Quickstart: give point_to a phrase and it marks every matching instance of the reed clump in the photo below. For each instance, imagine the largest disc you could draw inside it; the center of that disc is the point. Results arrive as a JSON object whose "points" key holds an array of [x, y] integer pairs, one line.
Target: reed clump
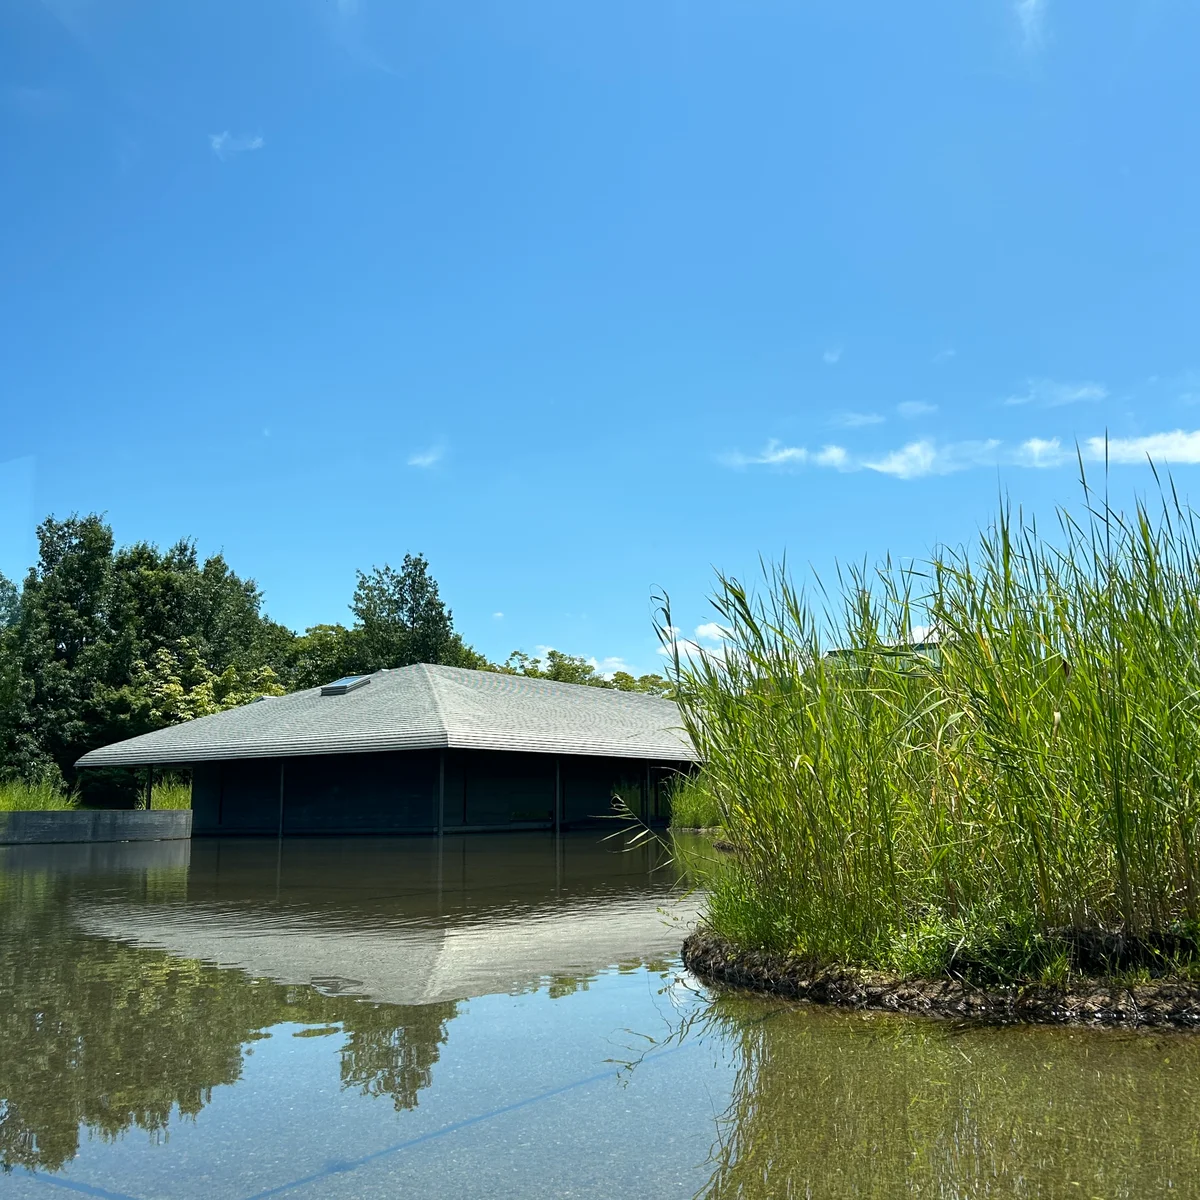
{"points": [[1011, 793], [693, 805]]}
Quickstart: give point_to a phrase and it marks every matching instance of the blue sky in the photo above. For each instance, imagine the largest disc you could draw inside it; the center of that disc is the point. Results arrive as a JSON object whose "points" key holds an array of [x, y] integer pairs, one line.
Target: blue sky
{"points": [[585, 300]]}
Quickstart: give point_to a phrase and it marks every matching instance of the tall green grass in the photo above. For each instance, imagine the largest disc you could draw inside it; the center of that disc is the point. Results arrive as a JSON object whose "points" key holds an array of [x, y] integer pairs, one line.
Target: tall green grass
{"points": [[169, 792], [693, 805], [26, 797], [172, 792], [983, 804]]}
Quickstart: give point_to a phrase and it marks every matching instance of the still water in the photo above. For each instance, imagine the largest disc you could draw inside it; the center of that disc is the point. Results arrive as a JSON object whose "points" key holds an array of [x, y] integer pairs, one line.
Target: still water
{"points": [[503, 1015]]}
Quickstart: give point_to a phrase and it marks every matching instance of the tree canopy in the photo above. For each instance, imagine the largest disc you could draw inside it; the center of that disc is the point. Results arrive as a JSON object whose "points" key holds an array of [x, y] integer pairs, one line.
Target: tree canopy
{"points": [[102, 642]]}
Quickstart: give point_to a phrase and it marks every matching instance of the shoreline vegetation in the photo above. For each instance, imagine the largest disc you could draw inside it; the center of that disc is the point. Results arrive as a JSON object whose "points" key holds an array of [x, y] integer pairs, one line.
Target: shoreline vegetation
{"points": [[986, 799], [44, 796]]}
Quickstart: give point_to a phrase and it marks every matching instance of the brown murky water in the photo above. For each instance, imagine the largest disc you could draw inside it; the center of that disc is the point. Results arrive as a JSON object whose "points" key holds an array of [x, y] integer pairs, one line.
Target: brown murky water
{"points": [[503, 1015]]}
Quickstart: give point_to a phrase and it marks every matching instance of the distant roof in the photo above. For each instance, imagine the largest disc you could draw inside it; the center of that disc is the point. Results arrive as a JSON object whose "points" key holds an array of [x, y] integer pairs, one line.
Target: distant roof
{"points": [[422, 707]]}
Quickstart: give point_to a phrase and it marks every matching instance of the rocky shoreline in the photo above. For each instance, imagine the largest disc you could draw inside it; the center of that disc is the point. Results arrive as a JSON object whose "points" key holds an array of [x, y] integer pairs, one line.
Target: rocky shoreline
{"points": [[1165, 1004]]}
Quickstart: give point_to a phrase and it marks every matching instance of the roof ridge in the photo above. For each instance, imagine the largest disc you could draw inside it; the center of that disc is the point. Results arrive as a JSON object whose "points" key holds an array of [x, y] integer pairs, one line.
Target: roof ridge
{"points": [[435, 700]]}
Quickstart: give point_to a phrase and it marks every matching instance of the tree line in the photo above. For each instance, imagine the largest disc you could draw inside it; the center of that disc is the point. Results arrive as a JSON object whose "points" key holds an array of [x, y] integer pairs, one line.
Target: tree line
{"points": [[101, 642]]}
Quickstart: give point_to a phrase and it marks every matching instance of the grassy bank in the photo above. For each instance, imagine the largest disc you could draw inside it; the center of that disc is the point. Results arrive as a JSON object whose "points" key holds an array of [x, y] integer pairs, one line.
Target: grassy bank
{"points": [[22, 797], [1018, 800]]}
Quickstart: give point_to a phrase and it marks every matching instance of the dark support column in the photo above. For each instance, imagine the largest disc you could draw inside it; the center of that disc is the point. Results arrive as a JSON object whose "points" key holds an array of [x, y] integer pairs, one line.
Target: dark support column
{"points": [[281, 798], [441, 822], [557, 794], [646, 813], [149, 787]]}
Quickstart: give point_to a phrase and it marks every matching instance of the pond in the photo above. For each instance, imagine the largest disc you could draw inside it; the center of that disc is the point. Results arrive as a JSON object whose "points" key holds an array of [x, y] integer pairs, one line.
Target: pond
{"points": [[504, 1015]]}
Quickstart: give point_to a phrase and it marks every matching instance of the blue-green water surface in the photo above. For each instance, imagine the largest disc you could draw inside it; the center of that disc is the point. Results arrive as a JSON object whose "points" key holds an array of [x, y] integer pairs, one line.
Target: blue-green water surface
{"points": [[504, 1015]]}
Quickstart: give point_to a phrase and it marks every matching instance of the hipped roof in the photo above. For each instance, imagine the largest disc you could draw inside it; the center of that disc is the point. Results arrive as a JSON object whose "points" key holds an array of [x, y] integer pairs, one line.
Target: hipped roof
{"points": [[422, 707]]}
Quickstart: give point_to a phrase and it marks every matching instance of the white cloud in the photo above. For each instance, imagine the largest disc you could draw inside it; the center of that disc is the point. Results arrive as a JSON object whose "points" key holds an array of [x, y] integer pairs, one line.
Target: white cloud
{"points": [[832, 356], [1050, 394], [226, 145], [773, 454], [1031, 16], [911, 409], [832, 456], [926, 457], [608, 667], [497, 616], [427, 458], [1041, 452], [910, 462], [1178, 446], [857, 420], [685, 647], [710, 631], [776, 454]]}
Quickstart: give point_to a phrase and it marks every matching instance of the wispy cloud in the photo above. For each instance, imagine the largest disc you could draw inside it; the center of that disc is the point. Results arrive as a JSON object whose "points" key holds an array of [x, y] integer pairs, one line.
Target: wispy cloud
{"points": [[1031, 17], [773, 454], [927, 457], [497, 616], [911, 409], [226, 145], [856, 420], [1042, 452], [832, 456], [1179, 446], [776, 454], [711, 637], [427, 458], [1048, 393], [832, 356]]}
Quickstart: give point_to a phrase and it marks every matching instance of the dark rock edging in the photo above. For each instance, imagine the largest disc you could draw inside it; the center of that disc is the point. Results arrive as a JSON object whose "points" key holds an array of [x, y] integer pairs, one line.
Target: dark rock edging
{"points": [[1167, 1004]]}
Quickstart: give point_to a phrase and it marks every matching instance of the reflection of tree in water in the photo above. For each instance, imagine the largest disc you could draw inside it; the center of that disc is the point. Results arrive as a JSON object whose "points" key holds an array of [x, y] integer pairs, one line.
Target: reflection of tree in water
{"points": [[835, 1104], [106, 1036], [390, 1049]]}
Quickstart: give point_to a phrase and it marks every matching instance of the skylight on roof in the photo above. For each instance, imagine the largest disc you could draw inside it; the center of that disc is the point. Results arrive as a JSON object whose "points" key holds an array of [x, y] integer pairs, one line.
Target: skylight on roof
{"points": [[347, 683]]}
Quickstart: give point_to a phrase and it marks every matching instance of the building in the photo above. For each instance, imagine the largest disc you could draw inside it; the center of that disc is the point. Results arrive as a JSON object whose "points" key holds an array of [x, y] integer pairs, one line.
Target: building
{"points": [[420, 749]]}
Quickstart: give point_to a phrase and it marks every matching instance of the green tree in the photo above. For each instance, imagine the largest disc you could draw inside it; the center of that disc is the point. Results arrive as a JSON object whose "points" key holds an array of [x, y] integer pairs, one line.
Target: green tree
{"points": [[324, 653], [402, 620], [650, 685], [112, 643], [560, 667], [10, 603]]}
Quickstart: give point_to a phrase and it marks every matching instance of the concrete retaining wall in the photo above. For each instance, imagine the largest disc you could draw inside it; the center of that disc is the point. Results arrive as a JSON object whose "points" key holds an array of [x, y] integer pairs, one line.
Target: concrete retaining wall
{"points": [[94, 825]]}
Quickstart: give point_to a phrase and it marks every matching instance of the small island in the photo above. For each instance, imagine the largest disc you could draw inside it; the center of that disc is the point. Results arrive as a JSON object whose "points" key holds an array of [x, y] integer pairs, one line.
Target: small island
{"points": [[984, 801]]}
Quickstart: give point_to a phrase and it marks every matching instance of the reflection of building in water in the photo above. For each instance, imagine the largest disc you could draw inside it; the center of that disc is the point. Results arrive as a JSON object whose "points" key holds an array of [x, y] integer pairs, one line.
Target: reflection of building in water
{"points": [[103, 1035], [414, 921], [421, 748], [133, 977]]}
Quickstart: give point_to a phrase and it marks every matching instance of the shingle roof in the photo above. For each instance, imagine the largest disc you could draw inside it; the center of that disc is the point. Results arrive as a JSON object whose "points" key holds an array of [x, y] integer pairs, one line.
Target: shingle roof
{"points": [[422, 707]]}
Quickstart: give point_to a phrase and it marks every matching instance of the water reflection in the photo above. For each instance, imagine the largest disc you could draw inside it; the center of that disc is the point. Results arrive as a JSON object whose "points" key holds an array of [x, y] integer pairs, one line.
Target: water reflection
{"points": [[134, 980], [369, 1019], [836, 1104], [105, 1036]]}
